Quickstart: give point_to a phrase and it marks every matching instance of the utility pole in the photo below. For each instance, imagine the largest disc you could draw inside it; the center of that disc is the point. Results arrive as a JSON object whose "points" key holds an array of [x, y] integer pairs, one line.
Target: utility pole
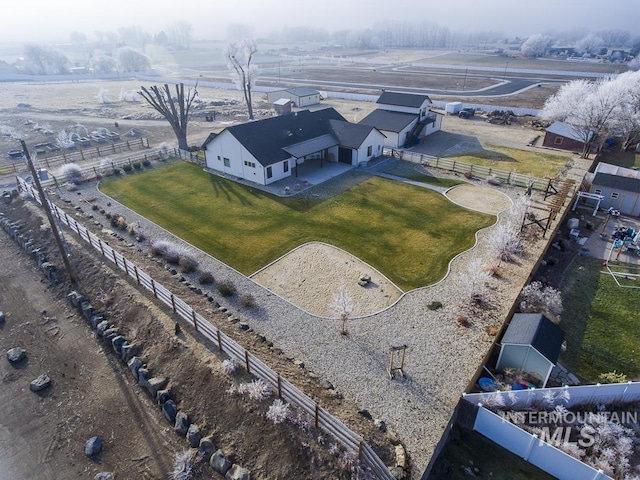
{"points": [[45, 205]]}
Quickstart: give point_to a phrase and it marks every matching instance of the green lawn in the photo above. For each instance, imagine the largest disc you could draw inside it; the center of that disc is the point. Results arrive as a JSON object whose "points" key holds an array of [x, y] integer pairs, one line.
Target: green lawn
{"points": [[601, 322], [537, 164], [408, 233]]}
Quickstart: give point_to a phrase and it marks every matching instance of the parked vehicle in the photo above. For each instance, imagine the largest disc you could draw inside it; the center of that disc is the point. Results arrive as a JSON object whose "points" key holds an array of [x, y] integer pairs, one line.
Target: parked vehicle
{"points": [[467, 112]]}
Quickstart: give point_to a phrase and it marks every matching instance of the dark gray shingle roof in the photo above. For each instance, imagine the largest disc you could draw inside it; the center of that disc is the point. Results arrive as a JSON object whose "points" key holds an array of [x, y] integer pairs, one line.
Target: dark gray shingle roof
{"points": [[536, 330], [350, 135], [266, 139], [565, 130], [617, 181], [389, 121], [402, 99]]}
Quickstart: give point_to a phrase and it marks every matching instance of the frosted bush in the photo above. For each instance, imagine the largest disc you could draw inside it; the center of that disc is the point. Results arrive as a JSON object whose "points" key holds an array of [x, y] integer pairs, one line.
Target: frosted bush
{"points": [[71, 173], [229, 365], [256, 390], [167, 250], [182, 466], [535, 298], [278, 411]]}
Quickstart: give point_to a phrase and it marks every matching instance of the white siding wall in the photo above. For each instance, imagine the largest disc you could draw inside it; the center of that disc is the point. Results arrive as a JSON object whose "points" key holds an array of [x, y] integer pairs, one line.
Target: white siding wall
{"points": [[433, 127], [391, 139], [375, 140], [277, 171], [226, 146], [307, 100], [397, 108]]}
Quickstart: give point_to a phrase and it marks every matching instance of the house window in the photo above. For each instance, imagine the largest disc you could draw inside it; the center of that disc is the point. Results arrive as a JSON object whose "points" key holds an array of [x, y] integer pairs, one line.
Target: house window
{"points": [[558, 140], [597, 191], [249, 164], [285, 165], [227, 163], [614, 194], [369, 150], [219, 158], [269, 172]]}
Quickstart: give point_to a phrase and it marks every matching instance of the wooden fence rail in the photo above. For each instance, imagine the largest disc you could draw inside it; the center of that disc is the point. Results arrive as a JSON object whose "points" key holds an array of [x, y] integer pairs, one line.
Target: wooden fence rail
{"points": [[479, 171], [285, 390]]}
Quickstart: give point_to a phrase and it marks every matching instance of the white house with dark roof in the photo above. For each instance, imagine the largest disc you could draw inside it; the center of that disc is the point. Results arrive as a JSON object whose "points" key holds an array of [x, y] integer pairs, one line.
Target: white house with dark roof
{"points": [[403, 118], [300, 96], [269, 150]]}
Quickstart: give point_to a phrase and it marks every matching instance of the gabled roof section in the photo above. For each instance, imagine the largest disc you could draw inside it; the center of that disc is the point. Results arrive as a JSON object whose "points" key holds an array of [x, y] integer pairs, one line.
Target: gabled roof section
{"points": [[211, 136], [565, 130], [313, 145], [536, 330], [350, 135], [608, 180], [282, 101], [389, 121], [266, 139], [402, 99]]}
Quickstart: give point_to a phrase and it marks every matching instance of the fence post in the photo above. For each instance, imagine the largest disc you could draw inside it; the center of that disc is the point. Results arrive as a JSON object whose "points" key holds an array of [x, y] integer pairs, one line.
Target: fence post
{"points": [[81, 154], [509, 178], [126, 270], [360, 450], [135, 270], [115, 260], [279, 387], [316, 417], [173, 303], [454, 167], [153, 287], [113, 147], [47, 162], [246, 361], [471, 171], [195, 321], [219, 340]]}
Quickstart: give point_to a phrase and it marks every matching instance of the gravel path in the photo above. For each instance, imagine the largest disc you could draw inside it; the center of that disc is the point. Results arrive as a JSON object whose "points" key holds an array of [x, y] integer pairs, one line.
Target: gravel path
{"points": [[442, 355]]}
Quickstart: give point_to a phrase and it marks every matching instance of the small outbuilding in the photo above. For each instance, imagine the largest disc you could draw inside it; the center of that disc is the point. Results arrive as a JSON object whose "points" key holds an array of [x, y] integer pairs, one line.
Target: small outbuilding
{"points": [[531, 343], [300, 96], [562, 135], [282, 106]]}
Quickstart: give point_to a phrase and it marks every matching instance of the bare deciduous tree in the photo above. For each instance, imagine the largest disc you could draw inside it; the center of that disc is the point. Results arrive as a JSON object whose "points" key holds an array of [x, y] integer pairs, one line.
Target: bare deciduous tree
{"points": [[342, 305], [175, 109], [244, 73]]}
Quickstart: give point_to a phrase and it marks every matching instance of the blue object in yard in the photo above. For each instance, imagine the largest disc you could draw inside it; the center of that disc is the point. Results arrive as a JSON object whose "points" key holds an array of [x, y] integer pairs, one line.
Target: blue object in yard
{"points": [[488, 384], [517, 386]]}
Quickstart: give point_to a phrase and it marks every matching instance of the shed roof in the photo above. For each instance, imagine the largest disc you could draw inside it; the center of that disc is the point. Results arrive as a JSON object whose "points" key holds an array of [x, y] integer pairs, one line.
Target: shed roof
{"points": [[565, 130], [403, 99], [303, 91], [312, 145], [536, 330], [282, 101], [350, 135], [389, 121], [619, 182]]}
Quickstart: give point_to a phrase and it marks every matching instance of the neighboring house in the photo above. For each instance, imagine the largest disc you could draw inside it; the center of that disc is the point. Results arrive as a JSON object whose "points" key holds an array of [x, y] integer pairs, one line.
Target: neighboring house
{"points": [[403, 118], [300, 96], [269, 150], [531, 343], [619, 186], [563, 136]]}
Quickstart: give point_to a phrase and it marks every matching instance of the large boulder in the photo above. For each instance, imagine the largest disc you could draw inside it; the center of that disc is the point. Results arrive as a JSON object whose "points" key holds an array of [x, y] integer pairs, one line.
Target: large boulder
{"points": [[206, 448], [193, 435], [169, 410], [16, 354], [40, 383], [135, 364], [236, 472], [2, 318], [155, 384], [93, 446], [117, 344], [220, 463], [143, 377], [182, 424]]}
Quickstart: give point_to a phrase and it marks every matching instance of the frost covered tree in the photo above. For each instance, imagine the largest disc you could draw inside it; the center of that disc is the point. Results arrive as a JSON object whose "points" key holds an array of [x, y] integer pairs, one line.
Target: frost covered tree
{"points": [[536, 45], [103, 95], [176, 109], [130, 60], [634, 64], [471, 282], [44, 60], [537, 298], [180, 35], [590, 44], [342, 305], [625, 123], [239, 57]]}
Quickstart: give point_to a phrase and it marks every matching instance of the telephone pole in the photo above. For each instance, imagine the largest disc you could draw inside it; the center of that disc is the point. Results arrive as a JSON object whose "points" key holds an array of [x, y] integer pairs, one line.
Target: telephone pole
{"points": [[45, 205]]}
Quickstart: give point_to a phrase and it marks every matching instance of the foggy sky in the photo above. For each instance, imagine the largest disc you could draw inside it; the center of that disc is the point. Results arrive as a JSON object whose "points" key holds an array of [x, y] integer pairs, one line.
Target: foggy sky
{"points": [[54, 20]]}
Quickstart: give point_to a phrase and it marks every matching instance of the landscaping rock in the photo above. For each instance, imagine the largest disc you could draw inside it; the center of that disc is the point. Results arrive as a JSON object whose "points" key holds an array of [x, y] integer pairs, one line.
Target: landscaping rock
{"points": [[401, 456], [169, 410], [143, 377], [206, 448], [181, 424], [40, 383], [243, 326], [135, 364], [155, 384], [104, 476], [102, 327], [96, 318], [16, 354], [365, 414], [382, 426], [111, 333], [93, 446], [219, 462], [162, 396], [193, 435], [2, 317], [238, 473], [128, 351], [117, 344]]}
